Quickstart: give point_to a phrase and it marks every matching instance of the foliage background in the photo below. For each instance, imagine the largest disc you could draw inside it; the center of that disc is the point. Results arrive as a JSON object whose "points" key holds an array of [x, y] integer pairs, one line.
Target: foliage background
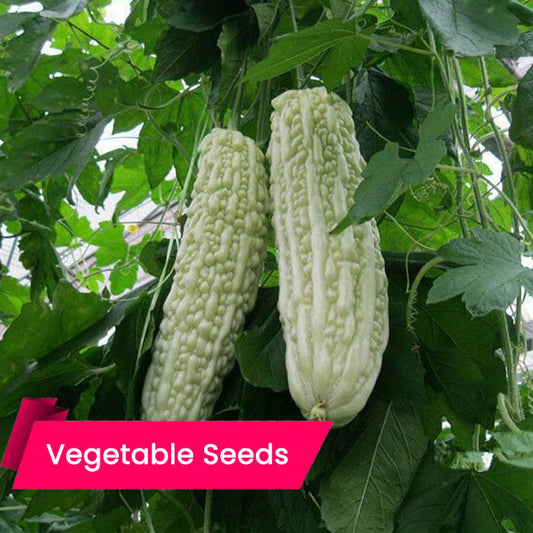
{"points": [[436, 91]]}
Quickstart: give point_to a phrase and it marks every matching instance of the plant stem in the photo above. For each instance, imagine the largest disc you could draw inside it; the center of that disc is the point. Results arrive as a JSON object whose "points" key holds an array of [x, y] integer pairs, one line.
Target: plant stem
{"points": [[513, 391], [463, 138], [207, 510], [507, 170], [506, 417], [299, 69]]}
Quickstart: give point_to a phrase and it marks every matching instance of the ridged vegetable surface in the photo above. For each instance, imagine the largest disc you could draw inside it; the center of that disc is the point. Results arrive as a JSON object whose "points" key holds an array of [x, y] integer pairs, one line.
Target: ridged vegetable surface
{"points": [[218, 267], [333, 288]]}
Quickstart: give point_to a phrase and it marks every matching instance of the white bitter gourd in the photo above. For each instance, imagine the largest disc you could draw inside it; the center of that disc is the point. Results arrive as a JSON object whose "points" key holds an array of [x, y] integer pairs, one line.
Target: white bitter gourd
{"points": [[218, 267], [333, 288]]}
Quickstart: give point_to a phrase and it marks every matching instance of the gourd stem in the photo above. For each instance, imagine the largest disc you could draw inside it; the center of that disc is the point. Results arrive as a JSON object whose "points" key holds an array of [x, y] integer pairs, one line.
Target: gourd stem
{"points": [[207, 510]]}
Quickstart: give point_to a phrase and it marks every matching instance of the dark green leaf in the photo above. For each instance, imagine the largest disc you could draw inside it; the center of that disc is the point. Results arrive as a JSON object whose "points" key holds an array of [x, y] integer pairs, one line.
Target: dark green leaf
{"points": [[294, 513], [442, 499], [11, 22], [199, 15], [439, 406], [180, 53], [367, 487], [237, 34], [521, 124], [471, 27], [23, 51], [260, 350], [384, 106], [402, 375], [266, 16], [459, 355], [135, 328], [523, 47], [523, 12], [490, 275], [154, 256]]}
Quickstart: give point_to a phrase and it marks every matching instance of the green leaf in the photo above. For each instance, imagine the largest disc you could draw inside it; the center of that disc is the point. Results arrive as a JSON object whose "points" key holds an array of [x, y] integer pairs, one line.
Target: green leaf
{"points": [[61, 93], [123, 277], [515, 448], [471, 27], [367, 487], [341, 58], [78, 225], [260, 350], [157, 154], [521, 126], [48, 148], [296, 48], [12, 295], [40, 328], [499, 75], [39, 257], [180, 53], [442, 499], [50, 378], [110, 240], [490, 276], [23, 51], [387, 172], [129, 177]]}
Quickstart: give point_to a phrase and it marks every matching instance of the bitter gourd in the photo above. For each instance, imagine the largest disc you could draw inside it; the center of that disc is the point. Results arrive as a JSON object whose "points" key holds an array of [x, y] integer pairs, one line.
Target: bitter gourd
{"points": [[333, 288], [216, 280]]}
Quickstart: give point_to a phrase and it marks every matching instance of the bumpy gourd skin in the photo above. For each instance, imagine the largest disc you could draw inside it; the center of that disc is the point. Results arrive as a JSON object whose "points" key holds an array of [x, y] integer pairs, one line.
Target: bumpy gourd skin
{"points": [[333, 289], [216, 280]]}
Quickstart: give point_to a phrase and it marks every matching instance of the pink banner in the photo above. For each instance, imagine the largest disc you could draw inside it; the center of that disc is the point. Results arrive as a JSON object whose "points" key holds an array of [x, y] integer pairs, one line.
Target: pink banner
{"points": [[167, 455], [31, 409]]}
